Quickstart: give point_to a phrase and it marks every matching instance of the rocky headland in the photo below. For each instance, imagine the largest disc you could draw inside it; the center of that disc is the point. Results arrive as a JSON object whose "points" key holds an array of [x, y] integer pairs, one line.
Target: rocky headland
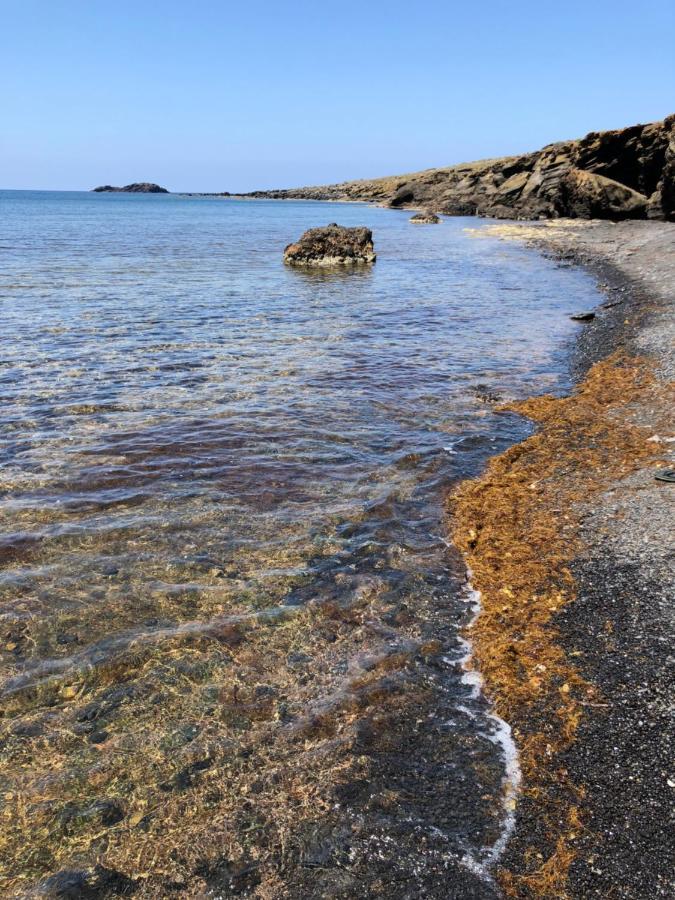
{"points": [[624, 174], [138, 187]]}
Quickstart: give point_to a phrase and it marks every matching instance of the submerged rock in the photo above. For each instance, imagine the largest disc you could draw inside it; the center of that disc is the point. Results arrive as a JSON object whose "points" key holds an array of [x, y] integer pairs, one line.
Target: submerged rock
{"points": [[84, 884], [425, 218], [99, 814], [332, 245], [138, 187]]}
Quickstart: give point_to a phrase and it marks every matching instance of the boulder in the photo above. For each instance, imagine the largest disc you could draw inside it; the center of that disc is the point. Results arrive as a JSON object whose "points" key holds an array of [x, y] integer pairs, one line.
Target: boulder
{"points": [[451, 207], [585, 195], [425, 218], [330, 246], [404, 194]]}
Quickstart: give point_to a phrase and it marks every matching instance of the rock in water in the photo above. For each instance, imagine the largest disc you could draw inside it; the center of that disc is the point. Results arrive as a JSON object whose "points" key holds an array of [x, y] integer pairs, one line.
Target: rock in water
{"points": [[333, 245], [97, 881], [425, 218], [138, 187]]}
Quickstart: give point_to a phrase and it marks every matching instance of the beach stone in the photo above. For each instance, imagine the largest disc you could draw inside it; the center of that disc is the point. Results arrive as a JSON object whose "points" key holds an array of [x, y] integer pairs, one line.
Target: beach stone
{"points": [[332, 245], [425, 218]]}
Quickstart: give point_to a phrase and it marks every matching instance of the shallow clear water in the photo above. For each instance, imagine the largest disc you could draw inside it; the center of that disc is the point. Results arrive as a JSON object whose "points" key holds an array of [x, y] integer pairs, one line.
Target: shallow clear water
{"points": [[190, 430]]}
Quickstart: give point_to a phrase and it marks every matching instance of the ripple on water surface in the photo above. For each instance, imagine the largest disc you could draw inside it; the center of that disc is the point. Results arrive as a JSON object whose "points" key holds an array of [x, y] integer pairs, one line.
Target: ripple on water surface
{"points": [[224, 572]]}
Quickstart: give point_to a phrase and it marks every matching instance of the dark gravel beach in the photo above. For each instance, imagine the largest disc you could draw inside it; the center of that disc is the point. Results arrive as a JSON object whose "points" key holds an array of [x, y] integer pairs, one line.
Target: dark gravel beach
{"points": [[618, 629]]}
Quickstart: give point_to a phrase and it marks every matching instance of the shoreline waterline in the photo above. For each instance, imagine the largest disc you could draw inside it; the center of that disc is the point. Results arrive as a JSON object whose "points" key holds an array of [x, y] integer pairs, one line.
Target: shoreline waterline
{"points": [[503, 738], [599, 442]]}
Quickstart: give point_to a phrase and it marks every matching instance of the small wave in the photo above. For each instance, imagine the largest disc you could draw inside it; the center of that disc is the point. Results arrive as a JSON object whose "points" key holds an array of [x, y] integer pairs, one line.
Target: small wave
{"points": [[483, 862]]}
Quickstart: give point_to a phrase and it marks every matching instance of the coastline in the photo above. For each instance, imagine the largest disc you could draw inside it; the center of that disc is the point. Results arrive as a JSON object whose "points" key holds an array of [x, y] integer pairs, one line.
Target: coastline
{"points": [[360, 750], [222, 741], [566, 536], [612, 175]]}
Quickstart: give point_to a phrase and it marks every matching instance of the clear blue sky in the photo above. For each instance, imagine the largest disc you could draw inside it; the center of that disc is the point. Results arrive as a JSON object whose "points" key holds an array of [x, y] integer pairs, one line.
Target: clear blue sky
{"points": [[201, 95]]}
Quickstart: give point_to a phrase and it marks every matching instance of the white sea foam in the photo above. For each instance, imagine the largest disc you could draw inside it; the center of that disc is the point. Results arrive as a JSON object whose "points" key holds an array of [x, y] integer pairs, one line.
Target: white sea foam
{"points": [[483, 862]]}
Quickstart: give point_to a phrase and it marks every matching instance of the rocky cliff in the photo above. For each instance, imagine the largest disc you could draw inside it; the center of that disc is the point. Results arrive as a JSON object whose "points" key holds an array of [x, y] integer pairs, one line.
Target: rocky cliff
{"points": [[624, 174]]}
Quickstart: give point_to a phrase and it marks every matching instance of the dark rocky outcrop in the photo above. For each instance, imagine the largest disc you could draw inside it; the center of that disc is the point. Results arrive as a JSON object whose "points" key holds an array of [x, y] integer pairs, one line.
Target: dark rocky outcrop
{"points": [[425, 218], [138, 187], [331, 245], [587, 196], [623, 174]]}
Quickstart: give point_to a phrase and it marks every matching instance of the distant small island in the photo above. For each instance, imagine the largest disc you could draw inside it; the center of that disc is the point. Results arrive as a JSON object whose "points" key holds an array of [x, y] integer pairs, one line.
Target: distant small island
{"points": [[138, 187]]}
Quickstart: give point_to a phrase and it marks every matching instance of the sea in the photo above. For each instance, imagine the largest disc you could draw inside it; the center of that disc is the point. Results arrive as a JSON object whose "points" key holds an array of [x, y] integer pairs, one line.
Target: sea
{"points": [[223, 503]]}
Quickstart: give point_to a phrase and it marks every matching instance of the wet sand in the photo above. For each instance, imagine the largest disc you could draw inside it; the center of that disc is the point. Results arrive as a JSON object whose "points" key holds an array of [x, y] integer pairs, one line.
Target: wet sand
{"points": [[570, 538]]}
